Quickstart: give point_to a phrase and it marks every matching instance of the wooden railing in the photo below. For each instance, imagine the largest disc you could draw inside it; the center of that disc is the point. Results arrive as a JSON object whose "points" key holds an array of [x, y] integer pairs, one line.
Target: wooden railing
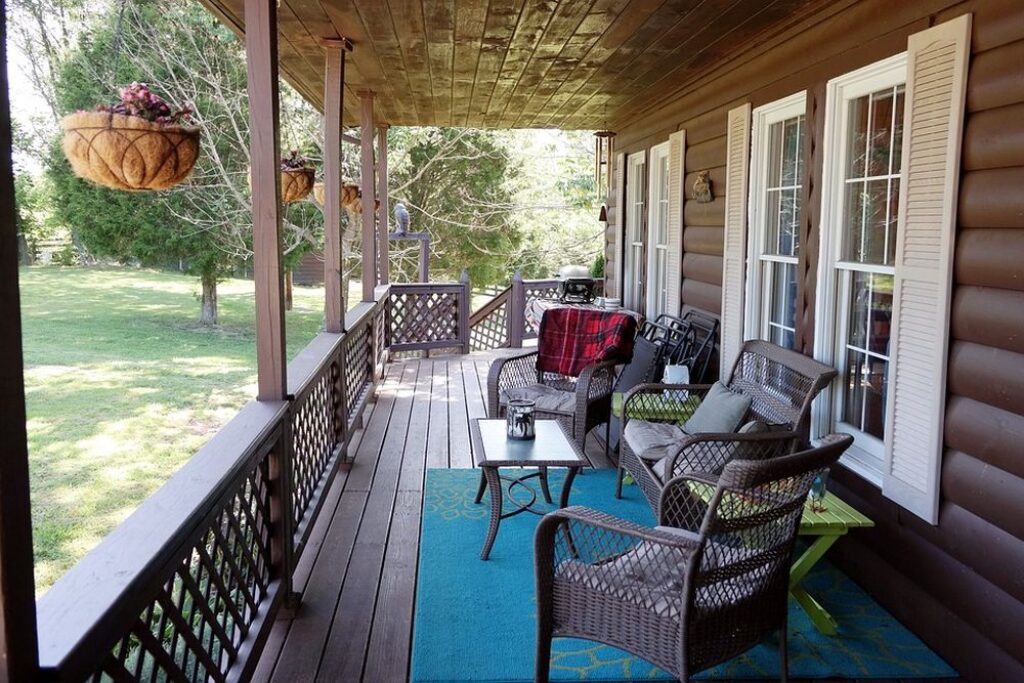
{"points": [[501, 322], [188, 586], [429, 315]]}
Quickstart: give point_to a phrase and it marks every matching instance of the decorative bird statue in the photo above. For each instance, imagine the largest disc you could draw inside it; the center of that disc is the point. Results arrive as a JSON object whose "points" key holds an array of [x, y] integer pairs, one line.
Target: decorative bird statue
{"points": [[401, 219]]}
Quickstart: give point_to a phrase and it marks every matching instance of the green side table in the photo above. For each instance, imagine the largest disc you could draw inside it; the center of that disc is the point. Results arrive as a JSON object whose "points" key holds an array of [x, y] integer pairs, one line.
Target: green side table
{"points": [[827, 525]]}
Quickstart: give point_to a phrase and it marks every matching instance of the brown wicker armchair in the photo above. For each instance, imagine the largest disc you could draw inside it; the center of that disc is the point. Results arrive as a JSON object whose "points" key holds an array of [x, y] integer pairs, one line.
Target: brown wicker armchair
{"points": [[708, 584], [781, 385], [579, 403]]}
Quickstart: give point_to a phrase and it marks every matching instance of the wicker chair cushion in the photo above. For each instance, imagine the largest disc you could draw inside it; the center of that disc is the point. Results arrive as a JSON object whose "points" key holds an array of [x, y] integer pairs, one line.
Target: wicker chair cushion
{"points": [[548, 399], [752, 427], [721, 412], [652, 574], [651, 440]]}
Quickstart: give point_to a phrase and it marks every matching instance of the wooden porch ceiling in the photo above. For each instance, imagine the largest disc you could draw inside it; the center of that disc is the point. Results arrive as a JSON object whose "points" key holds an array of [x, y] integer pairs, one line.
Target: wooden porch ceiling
{"points": [[571, 64]]}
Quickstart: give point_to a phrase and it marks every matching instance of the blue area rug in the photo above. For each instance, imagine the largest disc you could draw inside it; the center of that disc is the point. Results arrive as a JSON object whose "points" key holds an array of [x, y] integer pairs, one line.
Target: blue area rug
{"points": [[475, 621]]}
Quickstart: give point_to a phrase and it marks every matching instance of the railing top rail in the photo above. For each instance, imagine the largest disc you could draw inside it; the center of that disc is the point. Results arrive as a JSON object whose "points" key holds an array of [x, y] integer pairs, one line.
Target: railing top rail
{"points": [[100, 597], [489, 307], [426, 287]]}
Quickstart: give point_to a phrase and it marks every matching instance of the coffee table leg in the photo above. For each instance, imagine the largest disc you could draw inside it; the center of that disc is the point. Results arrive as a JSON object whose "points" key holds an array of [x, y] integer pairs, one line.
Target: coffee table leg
{"points": [[544, 484], [563, 500], [494, 484], [482, 487], [820, 617]]}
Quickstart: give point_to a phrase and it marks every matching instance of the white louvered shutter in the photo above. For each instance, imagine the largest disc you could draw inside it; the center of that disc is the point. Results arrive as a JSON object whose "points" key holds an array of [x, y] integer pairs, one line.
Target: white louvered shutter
{"points": [[733, 266], [676, 174], [619, 224], [933, 123]]}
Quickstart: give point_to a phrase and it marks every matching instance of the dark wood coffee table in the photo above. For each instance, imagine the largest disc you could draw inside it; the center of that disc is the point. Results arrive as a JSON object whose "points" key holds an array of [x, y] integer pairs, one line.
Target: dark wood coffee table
{"points": [[551, 448]]}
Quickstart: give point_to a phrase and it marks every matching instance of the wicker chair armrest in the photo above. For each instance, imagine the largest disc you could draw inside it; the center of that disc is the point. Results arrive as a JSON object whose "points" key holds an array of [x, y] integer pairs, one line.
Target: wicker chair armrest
{"points": [[709, 453], [644, 399], [509, 372], [631, 532]]}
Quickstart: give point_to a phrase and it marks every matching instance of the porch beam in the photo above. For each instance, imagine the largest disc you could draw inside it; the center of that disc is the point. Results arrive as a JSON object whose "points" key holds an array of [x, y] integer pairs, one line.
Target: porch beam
{"points": [[334, 94], [19, 646], [383, 244], [264, 125], [367, 188], [350, 139]]}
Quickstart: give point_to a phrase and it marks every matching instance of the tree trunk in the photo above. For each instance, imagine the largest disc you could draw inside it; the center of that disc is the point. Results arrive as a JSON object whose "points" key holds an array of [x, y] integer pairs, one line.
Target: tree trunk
{"points": [[288, 290], [208, 316]]}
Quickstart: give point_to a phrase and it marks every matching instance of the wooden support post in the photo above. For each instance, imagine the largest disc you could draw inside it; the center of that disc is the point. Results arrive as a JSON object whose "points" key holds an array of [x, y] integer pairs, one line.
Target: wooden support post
{"points": [[367, 186], [516, 312], [19, 647], [383, 247], [334, 94], [465, 301], [425, 258], [271, 370], [264, 124]]}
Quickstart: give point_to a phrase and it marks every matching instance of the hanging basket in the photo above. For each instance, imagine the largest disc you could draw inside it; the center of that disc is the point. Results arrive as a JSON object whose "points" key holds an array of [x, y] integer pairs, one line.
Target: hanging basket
{"points": [[350, 197], [296, 184], [128, 152]]}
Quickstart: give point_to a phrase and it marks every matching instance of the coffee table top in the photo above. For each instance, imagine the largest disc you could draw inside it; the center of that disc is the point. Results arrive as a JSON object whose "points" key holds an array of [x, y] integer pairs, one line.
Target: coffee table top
{"points": [[551, 448]]}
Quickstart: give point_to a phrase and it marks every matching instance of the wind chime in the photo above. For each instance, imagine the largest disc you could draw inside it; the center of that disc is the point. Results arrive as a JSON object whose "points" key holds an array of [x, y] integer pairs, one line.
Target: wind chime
{"points": [[604, 142]]}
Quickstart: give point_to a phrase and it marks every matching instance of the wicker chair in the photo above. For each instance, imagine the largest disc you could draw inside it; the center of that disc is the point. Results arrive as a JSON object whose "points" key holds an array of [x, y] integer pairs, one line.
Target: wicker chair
{"points": [[781, 385], [583, 402], [708, 584]]}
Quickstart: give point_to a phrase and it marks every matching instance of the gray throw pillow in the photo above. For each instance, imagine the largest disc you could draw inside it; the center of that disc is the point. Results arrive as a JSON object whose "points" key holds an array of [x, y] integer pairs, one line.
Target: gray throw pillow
{"points": [[721, 411]]}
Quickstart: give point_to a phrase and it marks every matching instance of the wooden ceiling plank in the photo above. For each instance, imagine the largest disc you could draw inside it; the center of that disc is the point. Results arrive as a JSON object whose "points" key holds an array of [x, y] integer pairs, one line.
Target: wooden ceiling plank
{"points": [[397, 91], [594, 24], [533, 21], [407, 16], [633, 17], [439, 20], [470, 21], [502, 19], [363, 68], [750, 31], [562, 26], [604, 79]]}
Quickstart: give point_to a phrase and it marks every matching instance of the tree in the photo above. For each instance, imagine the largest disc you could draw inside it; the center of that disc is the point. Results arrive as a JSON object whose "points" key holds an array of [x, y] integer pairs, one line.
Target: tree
{"points": [[457, 184], [206, 224]]}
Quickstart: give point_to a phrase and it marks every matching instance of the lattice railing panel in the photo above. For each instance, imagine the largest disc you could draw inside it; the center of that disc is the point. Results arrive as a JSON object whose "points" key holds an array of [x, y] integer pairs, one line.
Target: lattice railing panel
{"points": [[490, 331], [315, 435], [538, 289], [193, 628], [424, 317], [357, 367]]}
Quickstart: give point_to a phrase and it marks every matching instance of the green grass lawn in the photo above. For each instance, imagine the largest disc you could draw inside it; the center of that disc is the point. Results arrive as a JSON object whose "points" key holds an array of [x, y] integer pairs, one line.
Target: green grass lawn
{"points": [[123, 386]]}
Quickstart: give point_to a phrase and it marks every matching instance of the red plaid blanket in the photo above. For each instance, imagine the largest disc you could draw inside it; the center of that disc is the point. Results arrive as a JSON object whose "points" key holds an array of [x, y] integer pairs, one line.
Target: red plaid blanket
{"points": [[573, 338]]}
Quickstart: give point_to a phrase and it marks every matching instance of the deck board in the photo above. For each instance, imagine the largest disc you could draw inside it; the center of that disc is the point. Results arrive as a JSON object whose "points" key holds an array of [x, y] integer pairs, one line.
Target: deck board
{"points": [[358, 573]]}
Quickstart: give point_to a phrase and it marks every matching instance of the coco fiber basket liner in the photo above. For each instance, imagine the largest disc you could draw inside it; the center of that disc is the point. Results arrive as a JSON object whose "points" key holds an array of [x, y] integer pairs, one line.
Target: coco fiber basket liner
{"points": [[127, 152], [296, 184]]}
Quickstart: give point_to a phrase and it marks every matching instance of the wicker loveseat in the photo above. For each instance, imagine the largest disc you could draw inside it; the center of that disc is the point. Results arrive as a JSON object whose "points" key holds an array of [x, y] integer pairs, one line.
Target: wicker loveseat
{"points": [[781, 384], [708, 583]]}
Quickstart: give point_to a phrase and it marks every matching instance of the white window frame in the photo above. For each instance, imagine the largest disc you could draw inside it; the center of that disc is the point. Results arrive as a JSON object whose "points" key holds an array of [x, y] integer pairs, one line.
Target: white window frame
{"points": [[756, 320], [867, 456], [657, 251], [633, 235]]}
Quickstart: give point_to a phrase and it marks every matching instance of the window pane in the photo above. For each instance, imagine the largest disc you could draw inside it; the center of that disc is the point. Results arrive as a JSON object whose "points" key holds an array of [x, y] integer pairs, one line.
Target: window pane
{"points": [[775, 154], [897, 145], [857, 137], [880, 133], [791, 150], [867, 352], [869, 205], [781, 305]]}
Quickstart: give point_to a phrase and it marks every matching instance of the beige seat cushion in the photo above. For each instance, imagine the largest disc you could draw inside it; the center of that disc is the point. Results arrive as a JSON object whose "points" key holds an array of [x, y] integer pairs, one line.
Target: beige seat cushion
{"points": [[752, 427], [651, 440], [548, 399], [652, 575]]}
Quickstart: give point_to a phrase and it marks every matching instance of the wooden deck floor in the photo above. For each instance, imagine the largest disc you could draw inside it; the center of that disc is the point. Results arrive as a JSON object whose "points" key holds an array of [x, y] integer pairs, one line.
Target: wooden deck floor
{"points": [[358, 573]]}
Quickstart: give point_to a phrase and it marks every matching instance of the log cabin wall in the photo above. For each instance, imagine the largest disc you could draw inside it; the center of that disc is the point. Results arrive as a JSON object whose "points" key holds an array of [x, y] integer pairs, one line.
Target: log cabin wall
{"points": [[960, 584]]}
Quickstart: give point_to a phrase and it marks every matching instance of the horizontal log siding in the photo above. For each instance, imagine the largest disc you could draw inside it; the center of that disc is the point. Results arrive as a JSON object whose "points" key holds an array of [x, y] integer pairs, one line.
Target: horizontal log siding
{"points": [[958, 584]]}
